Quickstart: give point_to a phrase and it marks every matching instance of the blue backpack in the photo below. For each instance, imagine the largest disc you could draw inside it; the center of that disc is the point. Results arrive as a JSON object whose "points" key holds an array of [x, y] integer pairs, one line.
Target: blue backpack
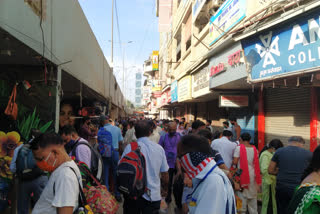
{"points": [[105, 143]]}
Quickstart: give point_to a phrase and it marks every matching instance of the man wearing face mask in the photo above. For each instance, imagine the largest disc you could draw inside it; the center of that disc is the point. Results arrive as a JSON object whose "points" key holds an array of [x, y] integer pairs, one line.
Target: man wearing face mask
{"points": [[169, 143], [71, 139], [62, 191], [212, 191]]}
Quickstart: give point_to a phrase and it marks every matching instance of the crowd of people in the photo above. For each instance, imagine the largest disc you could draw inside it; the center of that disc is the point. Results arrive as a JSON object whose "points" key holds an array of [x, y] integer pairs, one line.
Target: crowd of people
{"points": [[201, 168]]}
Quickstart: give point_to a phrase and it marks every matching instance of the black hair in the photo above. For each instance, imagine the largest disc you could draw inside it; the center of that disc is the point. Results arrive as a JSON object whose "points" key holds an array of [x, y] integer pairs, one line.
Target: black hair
{"points": [[216, 135], [226, 123], [314, 164], [298, 139], [193, 143], [232, 119], [45, 140], [209, 121], [275, 143], [131, 123], [181, 123], [142, 128], [196, 124], [67, 130], [227, 133], [246, 137], [206, 133]]}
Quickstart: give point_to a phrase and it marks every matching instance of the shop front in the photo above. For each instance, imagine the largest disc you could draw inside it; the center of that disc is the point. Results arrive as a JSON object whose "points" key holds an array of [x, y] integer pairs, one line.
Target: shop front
{"points": [[184, 95], [228, 78], [284, 64]]}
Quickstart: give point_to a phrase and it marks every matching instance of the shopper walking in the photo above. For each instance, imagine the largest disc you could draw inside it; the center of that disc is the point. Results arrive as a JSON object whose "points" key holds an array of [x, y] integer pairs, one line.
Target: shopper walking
{"points": [[246, 158], [269, 204], [169, 143], [156, 166], [212, 191], [62, 191], [288, 164], [225, 147], [306, 199], [112, 162], [236, 129]]}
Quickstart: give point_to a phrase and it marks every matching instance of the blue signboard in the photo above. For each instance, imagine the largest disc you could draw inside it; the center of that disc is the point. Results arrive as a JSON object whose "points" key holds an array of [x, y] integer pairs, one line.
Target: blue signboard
{"points": [[230, 13], [174, 91], [290, 48]]}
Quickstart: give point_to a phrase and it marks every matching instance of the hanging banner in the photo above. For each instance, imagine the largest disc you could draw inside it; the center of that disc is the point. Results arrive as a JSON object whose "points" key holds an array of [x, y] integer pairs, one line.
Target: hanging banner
{"points": [[174, 91], [286, 50], [230, 13], [155, 60], [184, 89]]}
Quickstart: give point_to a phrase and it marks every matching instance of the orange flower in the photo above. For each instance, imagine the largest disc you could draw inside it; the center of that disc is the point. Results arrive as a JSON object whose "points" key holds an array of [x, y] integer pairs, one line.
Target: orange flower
{"points": [[8, 143]]}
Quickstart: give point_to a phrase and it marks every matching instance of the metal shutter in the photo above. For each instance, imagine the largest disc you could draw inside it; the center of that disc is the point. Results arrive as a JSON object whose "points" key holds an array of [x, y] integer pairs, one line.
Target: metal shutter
{"points": [[287, 113]]}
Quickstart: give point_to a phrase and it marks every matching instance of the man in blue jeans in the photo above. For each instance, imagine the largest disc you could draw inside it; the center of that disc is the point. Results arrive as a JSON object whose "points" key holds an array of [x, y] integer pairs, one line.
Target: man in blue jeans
{"points": [[112, 162]]}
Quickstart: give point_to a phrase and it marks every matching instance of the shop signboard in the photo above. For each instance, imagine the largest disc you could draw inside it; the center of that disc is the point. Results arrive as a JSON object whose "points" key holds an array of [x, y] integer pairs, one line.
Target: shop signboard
{"points": [[230, 13], [200, 82], [174, 91], [184, 89], [157, 94], [234, 100], [227, 66], [155, 60], [289, 49], [197, 6]]}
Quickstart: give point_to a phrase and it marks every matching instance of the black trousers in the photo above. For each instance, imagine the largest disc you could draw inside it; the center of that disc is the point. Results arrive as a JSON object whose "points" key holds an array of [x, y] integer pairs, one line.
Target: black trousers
{"points": [[171, 174], [283, 198], [140, 206]]}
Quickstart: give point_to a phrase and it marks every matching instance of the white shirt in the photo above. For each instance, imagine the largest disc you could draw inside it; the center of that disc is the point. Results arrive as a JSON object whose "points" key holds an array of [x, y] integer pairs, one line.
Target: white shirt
{"points": [[156, 163], [65, 193], [214, 195], [226, 149]]}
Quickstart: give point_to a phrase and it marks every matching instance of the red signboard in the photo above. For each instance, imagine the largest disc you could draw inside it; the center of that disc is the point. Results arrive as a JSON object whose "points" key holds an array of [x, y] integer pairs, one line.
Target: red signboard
{"points": [[214, 70], [157, 94], [235, 58]]}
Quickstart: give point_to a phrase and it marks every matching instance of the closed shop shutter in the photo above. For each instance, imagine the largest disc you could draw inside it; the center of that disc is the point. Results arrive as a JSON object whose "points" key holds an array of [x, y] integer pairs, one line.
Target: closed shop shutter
{"points": [[287, 113]]}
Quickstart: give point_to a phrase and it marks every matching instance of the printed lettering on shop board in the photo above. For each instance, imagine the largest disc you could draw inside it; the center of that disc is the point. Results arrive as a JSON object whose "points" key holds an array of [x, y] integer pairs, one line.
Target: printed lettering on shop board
{"points": [[290, 48]]}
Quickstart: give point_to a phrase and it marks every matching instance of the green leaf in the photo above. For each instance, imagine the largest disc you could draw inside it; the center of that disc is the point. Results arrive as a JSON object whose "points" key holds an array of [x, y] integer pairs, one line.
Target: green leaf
{"points": [[45, 126]]}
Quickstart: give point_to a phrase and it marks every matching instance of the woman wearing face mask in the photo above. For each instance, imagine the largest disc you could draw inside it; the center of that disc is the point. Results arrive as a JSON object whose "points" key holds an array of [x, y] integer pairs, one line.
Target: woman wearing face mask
{"points": [[62, 191], [269, 204]]}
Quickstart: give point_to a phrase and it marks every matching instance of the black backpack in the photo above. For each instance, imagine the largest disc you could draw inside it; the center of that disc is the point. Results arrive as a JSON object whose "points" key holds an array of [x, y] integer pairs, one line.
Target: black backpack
{"points": [[131, 173], [96, 167]]}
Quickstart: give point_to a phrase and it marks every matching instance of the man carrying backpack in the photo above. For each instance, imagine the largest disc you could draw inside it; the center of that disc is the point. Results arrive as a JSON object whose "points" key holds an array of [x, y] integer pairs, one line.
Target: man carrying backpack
{"points": [[82, 151], [110, 142], [155, 164], [32, 180]]}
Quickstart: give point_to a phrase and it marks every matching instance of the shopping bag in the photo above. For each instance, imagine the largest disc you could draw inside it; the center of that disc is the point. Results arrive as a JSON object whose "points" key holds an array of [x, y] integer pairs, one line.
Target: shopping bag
{"points": [[12, 107]]}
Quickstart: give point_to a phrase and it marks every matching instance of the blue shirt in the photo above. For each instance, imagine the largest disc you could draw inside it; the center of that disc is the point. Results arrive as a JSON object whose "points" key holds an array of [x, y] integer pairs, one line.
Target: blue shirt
{"points": [[116, 135], [156, 163]]}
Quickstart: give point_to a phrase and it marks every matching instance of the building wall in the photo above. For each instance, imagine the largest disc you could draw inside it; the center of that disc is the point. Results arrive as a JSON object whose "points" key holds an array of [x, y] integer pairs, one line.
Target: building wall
{"points": [[68, 38]]}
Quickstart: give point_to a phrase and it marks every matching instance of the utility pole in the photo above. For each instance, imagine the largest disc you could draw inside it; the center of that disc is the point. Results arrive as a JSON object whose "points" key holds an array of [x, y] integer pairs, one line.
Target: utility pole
{"points": [[112, 35]]}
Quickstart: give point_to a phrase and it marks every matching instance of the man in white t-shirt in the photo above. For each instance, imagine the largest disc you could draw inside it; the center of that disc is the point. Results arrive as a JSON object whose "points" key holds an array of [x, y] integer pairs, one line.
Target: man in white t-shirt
{"points": [[225, 147], [62, 191]]}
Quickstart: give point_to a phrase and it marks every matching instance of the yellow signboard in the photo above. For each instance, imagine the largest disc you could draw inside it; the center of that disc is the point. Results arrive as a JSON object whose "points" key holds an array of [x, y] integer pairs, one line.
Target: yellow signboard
{"points": [[155, 60]]}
